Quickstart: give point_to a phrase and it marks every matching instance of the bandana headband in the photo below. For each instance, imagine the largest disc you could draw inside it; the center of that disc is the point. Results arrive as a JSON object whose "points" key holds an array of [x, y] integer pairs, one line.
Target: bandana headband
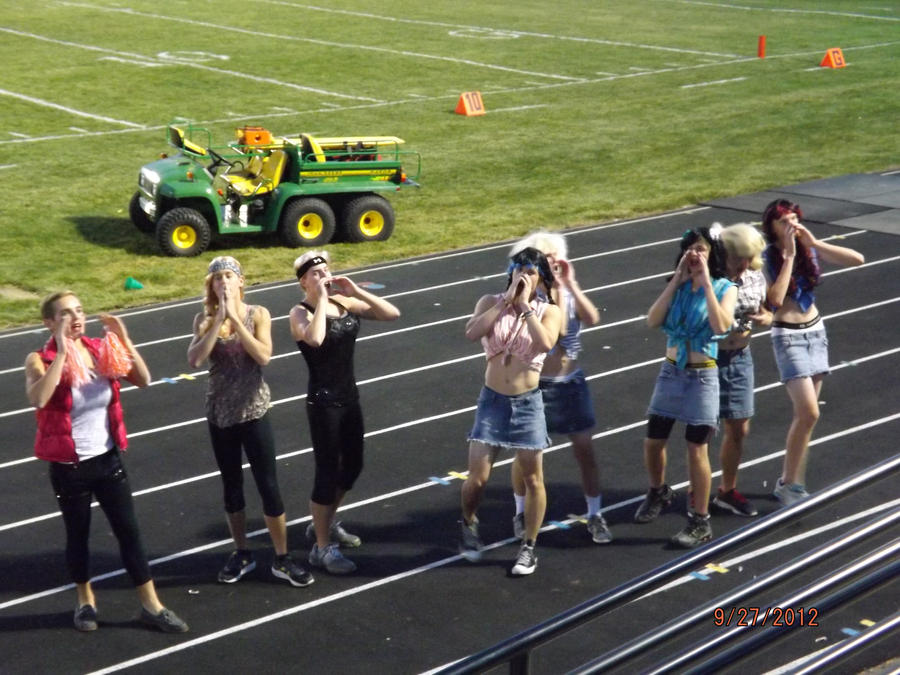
{"points": [[312, 262], [513, 266], [222, 265]]}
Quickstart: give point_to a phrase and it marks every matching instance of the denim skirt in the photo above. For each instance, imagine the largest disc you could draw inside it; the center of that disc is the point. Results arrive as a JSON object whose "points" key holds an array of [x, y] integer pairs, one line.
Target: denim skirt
{"points": [[735, 383], [510, 421], [801, 354], [689, 395], [567, 404]]}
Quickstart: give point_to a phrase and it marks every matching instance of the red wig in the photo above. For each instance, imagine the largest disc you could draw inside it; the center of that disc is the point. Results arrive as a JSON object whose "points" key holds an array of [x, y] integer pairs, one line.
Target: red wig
{"points": [[805, 265]]}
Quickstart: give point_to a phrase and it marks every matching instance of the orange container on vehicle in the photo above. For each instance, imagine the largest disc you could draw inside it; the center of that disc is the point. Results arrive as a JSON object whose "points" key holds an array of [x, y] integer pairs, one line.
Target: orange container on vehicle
{"points": [[253, 136]]}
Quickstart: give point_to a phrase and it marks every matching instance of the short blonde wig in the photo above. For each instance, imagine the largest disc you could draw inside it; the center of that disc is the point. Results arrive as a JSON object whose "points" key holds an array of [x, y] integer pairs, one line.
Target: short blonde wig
{"points": [[744, 241], [309, 255], [548, 243]]}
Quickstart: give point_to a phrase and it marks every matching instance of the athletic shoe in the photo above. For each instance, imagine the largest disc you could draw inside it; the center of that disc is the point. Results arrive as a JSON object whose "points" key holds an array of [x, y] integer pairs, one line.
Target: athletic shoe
{"points": [[330, 559], [337, 535], [696, 532], [86, 618], [789, 493], [526, 561], [655, 501], [167, 621], [469, 542], [285, 568], [239, 563], [519, 526], [735, 502], [599, 530]]}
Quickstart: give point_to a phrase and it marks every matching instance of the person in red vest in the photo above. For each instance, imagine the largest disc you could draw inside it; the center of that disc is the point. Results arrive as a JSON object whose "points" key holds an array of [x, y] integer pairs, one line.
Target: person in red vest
{"points": [[73, 382]]}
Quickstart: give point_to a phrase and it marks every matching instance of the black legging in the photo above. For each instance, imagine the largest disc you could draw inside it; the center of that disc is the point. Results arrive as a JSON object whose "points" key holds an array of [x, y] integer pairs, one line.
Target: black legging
{"points": [[337, 438], [256, 439], [75, 485]]}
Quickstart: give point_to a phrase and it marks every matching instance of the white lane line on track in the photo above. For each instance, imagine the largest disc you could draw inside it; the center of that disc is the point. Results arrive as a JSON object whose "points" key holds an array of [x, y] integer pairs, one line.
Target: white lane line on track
{"points": [[247, 625], [425, 420], [344, 46], [415, 262], [759, 552], [71, 111], [420, 486]]}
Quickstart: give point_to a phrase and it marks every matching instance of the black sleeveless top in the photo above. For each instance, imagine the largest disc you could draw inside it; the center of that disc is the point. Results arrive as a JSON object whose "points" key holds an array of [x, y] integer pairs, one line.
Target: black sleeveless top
{"points": [[331, 378]]}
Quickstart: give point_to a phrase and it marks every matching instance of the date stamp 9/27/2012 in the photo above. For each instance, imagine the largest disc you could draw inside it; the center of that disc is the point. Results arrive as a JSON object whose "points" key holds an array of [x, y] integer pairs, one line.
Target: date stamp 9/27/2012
{"points": [[765, 616]]}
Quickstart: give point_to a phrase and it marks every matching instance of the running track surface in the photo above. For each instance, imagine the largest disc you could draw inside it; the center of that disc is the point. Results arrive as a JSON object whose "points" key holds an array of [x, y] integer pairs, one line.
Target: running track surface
{"points": [[414, 605]]}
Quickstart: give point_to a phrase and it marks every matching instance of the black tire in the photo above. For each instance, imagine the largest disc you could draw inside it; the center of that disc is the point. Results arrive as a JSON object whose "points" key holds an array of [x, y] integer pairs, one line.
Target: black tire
{"points": [[306, 222], [367, 218], [183, 232], [137, 215]]}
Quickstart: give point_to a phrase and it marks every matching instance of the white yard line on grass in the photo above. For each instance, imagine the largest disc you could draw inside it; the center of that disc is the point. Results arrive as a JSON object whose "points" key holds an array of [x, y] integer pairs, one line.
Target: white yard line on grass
{"points": [[785, 10], [489, 31], [324, 43], [712, 82], [145, 60], [66, 109]]}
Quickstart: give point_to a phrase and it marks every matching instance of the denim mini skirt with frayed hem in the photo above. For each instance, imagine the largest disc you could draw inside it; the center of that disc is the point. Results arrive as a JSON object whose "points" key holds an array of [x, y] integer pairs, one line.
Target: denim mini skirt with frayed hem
{"points": [[689, 395], [801, 354], [515, 422]]}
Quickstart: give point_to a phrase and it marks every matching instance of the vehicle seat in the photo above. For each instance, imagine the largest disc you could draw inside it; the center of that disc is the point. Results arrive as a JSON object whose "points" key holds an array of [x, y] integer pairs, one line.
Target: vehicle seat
{"points": [[310, 149], [262, 175]]}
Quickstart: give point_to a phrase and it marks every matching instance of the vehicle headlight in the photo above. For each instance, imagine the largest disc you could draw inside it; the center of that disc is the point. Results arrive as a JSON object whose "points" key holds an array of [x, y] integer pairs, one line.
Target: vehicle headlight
{"points": [[148, 181]]}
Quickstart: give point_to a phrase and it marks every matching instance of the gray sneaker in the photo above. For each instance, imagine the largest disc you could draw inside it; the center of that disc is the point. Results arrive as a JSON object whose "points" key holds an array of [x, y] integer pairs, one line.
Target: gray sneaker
{"points": [[331, 560], [696, 532], [519, 526], [337, 535], [86, 618], [789, 493], [655, 501], [599, 530], [526, 561], [469, 542], [167, 621]]}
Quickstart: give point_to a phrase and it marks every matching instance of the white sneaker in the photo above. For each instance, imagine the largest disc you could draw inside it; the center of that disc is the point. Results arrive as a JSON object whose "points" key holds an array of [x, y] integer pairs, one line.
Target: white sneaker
{"points": [[526, 562], [789, 493]]}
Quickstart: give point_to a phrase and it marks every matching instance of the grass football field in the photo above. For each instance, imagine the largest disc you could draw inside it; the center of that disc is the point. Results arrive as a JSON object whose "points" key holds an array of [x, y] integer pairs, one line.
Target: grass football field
{"points": [[595, 111]]}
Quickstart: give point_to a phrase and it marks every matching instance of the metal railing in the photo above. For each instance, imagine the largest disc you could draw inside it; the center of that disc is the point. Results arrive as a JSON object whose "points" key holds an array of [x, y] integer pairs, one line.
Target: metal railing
{"points": [[516, 650]]}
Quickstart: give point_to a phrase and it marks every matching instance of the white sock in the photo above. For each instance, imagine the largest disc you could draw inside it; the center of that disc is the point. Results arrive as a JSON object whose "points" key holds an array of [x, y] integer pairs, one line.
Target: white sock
{"points": [[593, 505], [520, 503]]}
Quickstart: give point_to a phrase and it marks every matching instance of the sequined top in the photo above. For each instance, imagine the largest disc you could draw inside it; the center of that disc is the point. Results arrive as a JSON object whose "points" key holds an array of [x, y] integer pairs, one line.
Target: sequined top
{"points": [[237, 392], [331, 378]]}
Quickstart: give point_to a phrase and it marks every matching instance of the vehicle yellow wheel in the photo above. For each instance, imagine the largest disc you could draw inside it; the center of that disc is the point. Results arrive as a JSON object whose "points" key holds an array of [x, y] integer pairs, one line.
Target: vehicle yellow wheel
{"points": [[368, 217], [310, 226], [184, 236], [183, 232], [306, 222], [371, 223]]}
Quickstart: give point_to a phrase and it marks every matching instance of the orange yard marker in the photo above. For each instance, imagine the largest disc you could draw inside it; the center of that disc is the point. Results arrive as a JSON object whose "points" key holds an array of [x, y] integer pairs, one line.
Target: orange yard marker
{"points": [[761, 47], [470, 104], [834, 58]]}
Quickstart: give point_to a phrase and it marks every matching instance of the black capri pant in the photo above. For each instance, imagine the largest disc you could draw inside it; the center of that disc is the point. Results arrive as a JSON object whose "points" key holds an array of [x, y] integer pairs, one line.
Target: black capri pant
{"points": [[337, 438], [257, 441], [75, 486]]}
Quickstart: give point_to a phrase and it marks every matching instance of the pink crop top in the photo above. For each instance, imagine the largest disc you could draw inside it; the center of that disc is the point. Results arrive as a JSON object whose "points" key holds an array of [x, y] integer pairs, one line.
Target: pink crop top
{"points": [[509, 336]]}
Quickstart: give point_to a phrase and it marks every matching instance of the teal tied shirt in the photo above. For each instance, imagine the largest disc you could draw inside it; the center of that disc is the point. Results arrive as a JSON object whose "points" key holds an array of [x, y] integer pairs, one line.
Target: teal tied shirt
{"points": [[687, 321]]}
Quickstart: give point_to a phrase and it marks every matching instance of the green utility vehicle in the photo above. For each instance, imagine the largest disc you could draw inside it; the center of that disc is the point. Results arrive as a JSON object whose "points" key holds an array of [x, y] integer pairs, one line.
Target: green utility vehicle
{"points": [[304, 188]]}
